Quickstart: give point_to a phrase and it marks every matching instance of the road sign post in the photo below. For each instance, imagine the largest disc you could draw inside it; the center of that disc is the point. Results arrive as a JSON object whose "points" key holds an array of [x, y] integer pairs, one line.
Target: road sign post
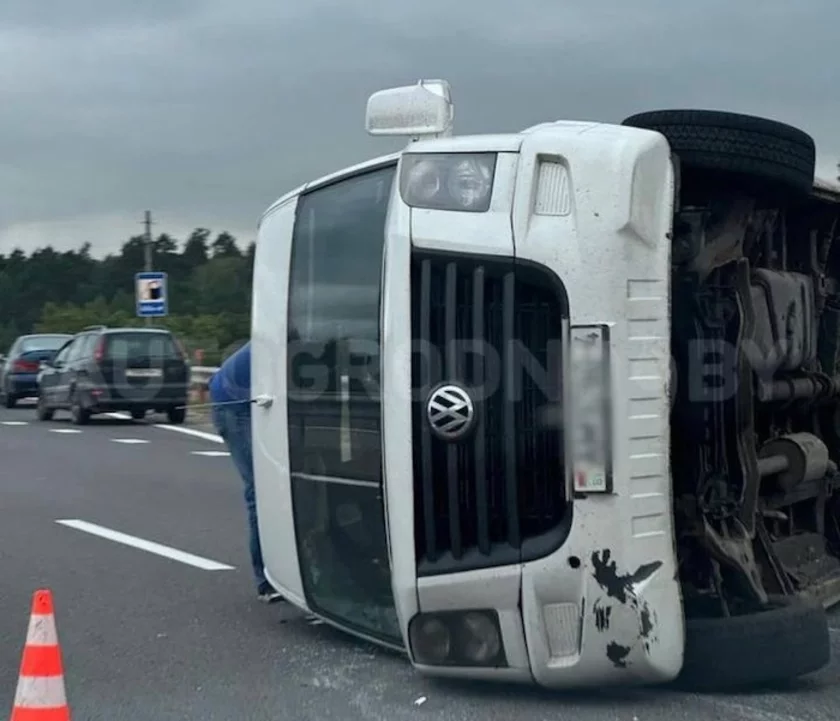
{"points": [[151, 294]]}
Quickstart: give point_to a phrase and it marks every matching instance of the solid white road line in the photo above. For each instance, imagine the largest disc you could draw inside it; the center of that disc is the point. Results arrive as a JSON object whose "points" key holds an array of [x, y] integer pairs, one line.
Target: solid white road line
{"points": [[14, 423], [64, 430], [178, 429], [191, 432], [210, 454], [166, 551], [129, 440]]}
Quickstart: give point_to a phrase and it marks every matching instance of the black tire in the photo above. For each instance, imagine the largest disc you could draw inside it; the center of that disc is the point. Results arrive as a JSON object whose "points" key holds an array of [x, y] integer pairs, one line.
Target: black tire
{"points": [[176, 416], [9, 400], [138, 414], [43, 411], [788, 640], [771, 152], [78, 413]]}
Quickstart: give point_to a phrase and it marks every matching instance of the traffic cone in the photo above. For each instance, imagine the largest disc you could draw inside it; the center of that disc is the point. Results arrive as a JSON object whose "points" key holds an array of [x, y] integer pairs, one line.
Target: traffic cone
{"points": [[40, 692]]}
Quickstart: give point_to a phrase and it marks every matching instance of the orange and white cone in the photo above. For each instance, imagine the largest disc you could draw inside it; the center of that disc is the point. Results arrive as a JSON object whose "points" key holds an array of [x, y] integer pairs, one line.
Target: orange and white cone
{"points": [[40, 691]]}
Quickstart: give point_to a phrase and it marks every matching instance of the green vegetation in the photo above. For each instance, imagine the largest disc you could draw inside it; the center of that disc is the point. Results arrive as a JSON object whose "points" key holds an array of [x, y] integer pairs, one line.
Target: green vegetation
{"points": [[209, 291]]}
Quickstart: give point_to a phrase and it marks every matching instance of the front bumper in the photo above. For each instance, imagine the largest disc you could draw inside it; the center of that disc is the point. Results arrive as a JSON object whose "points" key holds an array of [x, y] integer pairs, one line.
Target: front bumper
{"points": [[569, 620]]}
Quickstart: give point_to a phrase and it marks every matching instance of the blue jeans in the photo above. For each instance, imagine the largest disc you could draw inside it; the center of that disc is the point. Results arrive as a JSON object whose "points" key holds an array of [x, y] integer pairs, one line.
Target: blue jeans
{"points": [[233, 422]]}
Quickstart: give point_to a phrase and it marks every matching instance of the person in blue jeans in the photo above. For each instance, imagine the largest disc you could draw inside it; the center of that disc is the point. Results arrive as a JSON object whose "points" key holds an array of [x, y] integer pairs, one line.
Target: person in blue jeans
{"points": [[230, 387]]}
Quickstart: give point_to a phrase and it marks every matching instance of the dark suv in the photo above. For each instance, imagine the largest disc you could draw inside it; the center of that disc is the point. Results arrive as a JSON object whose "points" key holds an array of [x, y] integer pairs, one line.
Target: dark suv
{"points": [[102, 369]]}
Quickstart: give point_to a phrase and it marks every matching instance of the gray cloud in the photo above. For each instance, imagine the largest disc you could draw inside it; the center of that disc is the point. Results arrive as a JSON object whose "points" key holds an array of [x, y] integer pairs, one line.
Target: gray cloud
{"points": [[207, 111]]}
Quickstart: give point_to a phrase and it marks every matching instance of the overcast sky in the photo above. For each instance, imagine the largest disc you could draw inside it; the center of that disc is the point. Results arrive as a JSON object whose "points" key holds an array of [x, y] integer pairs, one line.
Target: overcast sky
{"points": [[205, 111]]}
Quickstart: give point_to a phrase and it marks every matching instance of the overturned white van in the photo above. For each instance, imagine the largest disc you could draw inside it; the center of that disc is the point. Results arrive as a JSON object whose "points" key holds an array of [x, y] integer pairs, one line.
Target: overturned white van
{"points": [[559, 406]]}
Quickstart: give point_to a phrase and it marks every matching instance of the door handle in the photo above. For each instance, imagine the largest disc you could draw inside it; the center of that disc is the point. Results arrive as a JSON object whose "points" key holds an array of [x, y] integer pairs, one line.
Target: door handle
{"points": [[264, 401]]}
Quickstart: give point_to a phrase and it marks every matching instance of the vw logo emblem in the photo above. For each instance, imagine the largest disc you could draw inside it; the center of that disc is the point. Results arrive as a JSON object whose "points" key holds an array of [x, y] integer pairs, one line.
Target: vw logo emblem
{"points": [[450, 412]]}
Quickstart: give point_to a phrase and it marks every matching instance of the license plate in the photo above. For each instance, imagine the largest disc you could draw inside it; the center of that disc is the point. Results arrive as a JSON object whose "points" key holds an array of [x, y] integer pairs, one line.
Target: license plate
{"points": [[143, 373]]}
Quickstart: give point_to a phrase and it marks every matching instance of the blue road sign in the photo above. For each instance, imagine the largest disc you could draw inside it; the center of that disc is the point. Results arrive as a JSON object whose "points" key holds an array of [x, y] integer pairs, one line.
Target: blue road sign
{"points": [[150, 291]]}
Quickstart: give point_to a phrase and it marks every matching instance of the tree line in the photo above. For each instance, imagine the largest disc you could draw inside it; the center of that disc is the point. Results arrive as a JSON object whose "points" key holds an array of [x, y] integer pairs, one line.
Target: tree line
{"points": [[209, 288]]}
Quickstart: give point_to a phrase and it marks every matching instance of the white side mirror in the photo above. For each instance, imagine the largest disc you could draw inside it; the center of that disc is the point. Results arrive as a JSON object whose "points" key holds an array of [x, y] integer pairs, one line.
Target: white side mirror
{"points": [[424, 109]]}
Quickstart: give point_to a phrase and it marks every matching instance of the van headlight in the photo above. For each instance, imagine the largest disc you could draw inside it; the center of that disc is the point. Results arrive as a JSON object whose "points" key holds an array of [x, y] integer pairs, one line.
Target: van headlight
{"points": [[448, 181], [457, 638]]}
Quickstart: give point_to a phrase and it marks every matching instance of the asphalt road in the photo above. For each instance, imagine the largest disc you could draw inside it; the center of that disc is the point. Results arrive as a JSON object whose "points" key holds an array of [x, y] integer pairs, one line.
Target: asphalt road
{"points": [[146, 637]]}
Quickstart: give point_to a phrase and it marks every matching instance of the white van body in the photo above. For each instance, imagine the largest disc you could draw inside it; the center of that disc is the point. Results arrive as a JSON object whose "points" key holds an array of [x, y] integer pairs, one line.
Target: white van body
{"points": [[587, 207]]}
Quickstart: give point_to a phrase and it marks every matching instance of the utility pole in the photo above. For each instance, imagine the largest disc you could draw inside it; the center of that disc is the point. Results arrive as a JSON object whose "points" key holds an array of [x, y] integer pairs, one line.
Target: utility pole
{"points": [[147, 247]]}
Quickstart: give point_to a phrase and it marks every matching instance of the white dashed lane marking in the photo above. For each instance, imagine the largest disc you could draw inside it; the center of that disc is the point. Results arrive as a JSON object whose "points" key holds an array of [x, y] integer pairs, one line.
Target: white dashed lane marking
{"points": [[158, 549], [192, 432], [214, 438], [14, 423], [137, 441]]}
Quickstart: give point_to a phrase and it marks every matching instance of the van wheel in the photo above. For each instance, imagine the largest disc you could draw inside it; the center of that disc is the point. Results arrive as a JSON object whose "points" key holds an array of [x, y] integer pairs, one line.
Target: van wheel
{"points": [[43, 412], [78, 413], [788, 640], [9, 400], [176, 416], [774, 153], [138, 414]]}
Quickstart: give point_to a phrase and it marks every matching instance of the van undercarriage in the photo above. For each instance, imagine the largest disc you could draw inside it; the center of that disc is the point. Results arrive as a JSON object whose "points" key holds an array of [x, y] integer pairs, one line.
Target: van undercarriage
{"points": [[755, 426]]}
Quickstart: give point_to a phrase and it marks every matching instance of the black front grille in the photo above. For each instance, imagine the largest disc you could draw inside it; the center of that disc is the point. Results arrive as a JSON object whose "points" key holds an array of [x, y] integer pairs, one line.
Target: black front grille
{"points": [[498, 495]]}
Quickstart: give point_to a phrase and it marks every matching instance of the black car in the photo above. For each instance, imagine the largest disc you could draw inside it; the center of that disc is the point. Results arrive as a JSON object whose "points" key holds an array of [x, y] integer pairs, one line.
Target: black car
{"points": [[102, 370], [19, 367]]}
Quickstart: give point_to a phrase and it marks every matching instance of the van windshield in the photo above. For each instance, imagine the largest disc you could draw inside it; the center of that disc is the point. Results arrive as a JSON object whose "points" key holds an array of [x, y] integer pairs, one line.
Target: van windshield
{"points": [[123, 346], [335, 453]]}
